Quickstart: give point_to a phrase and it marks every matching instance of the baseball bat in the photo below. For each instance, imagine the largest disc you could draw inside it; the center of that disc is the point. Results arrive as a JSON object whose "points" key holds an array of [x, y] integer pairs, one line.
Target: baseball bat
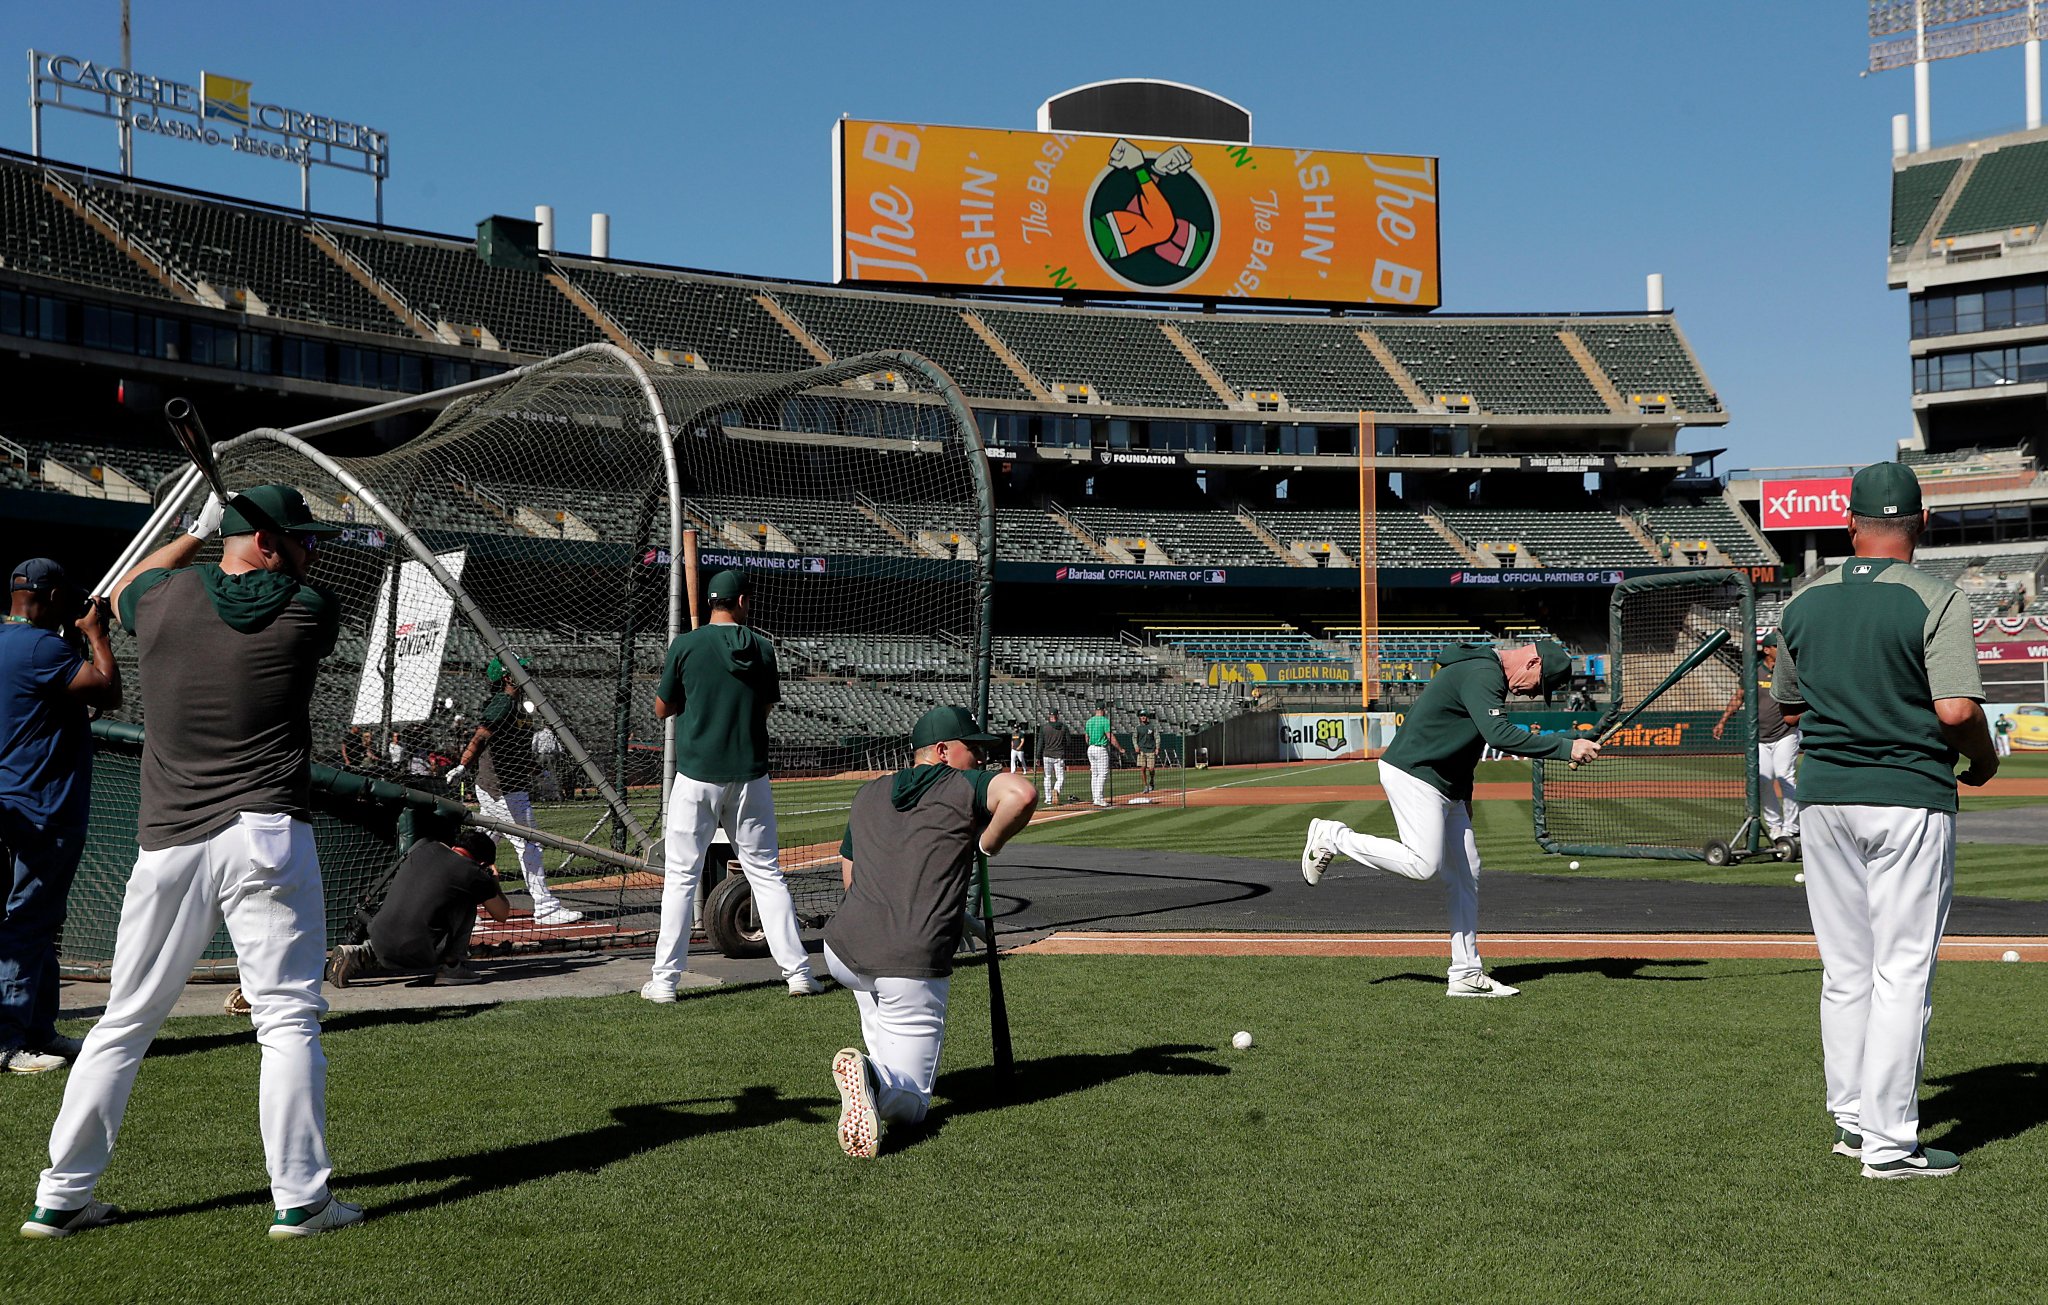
{"points": [[191, 435], [692, 583], [1708, 647], [998, 1009]]}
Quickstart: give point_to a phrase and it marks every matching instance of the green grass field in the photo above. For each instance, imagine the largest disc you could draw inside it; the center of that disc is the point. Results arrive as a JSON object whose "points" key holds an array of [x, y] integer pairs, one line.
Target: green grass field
{"points": [[1623, 1131]]}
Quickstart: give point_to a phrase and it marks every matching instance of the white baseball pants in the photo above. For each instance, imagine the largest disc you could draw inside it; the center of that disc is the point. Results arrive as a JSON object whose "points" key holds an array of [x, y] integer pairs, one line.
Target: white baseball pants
{"points": [[1055, 778], [745, 810], [1098, 771], [2001, 743], [517, 808], [903, 1022], [1436, 841], [1016, 762], [1779, 762], [262, 876], [1878, 884]]}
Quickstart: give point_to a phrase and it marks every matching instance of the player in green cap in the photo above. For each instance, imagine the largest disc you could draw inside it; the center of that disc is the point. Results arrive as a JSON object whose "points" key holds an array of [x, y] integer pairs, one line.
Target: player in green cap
{"points": [[1881, 660], [1101, 738], [1427, 775], [500, 749], [721, 681]]}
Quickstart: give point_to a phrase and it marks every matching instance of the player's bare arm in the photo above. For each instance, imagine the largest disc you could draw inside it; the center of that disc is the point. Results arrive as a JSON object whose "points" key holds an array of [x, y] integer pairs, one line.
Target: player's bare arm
{"points": [[97, 682], [180, 551], [1011, 800], [1734, 705], [1962, 724], [845, 872]]}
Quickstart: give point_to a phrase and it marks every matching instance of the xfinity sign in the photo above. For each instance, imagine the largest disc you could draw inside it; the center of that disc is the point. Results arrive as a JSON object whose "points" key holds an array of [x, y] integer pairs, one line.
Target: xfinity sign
{"points": [[1805, 504]]}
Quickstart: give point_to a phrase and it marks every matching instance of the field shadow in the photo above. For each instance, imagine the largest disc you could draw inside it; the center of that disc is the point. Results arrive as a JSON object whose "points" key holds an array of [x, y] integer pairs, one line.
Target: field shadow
{"points": [[633, 1131], [1015, 903], [1607, 967], [983, 1088], [1988, 1104], [200, 1043]]}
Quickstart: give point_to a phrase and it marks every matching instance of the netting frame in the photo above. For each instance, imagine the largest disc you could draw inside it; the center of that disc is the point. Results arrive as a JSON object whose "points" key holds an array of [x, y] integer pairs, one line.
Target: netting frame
{"points": [[1745, 841]]}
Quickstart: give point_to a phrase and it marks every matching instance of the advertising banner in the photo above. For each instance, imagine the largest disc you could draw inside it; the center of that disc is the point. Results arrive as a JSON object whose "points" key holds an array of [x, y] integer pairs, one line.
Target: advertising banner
{"points": [[1305, 736], [2012, 652], [423, 611], [969, 206], [1805, 504], [1283, 673]]}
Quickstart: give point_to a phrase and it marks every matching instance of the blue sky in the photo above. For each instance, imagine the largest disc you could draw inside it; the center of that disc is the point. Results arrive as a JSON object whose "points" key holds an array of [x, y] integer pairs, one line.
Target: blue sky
{"points": [[1732, 146]]}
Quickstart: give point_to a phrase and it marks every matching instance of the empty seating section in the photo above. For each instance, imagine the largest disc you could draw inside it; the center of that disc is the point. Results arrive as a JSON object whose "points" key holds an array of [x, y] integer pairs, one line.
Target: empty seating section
{"points": [[1187, 538], [1404, 538], [872, 655], [846, 326], [1028, 535], [1711, 519], [951, 527], [40, 235], [1273, 643], [2008, 188], [1073, 654], [1505, 367], [1647, 358], [609, 514], [1319, 367], [1123, 358], [812, 525], [1916, 193], [446, 282], [233, 249], [1589, 538], [146, 467], [719, 321]]}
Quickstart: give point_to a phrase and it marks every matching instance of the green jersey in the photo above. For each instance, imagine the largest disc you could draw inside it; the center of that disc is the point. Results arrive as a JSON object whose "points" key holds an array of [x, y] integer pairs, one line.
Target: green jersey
{"points": [[1098, 731], [721, 679], [1464, 707], [1865, 652]]}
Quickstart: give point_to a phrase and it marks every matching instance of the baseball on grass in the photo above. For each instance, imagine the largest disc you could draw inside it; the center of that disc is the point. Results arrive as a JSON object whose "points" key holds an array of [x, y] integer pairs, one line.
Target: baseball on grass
{"points": [[1241, 1040], [1799, 878], [1575, 865], [2010, 956]]}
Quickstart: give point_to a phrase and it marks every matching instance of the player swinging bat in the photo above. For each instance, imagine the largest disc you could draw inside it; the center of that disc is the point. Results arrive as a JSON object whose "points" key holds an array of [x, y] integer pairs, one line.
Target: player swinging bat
{"points": [[1708, 647]]}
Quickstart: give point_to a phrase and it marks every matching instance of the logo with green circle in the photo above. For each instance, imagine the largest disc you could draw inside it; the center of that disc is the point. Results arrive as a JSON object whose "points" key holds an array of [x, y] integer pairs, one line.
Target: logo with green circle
{"points": [[1151, 218]]}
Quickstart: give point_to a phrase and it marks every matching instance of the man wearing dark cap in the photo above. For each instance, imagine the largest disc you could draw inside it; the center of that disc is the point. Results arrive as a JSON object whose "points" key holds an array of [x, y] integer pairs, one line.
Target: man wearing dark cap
{"points": [[1881, 659], [721, 680], [1777, 745], [1053, 739], [228, 653], [1427, 775], [907, 861], [500, 749], [428, 915], [1101, 738], [46, 691]]}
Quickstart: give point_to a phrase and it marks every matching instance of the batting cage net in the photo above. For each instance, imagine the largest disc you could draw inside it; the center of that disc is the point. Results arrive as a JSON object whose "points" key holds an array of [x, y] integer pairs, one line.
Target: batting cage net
{"points": [[519, 558], [1666, 784]]}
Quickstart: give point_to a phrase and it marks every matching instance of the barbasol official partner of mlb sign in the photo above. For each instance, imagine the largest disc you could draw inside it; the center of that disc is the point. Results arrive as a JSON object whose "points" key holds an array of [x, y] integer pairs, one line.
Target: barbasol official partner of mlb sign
{"points": [[1038, 211]]}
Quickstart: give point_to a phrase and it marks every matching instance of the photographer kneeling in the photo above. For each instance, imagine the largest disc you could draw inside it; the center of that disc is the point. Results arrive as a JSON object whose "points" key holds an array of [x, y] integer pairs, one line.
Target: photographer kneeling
{"points": [[427, 916]]}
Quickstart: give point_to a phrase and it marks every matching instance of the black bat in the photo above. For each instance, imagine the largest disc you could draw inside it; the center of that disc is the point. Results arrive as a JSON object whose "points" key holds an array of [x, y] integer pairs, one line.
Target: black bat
{"points": [[998, 1009], [191, 435], [1708, 647]]}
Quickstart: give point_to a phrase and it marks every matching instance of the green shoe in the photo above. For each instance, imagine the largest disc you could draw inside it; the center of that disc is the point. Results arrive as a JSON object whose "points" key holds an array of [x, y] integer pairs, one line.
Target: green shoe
{"points": [[1923, 1163], [1848, 1143], [46, 1222], [311, 1220]]}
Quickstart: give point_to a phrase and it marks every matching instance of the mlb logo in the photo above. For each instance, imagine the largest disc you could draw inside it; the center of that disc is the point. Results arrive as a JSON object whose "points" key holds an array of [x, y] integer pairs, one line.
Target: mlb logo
{"points": [[1859, 570], [1891, 509]]}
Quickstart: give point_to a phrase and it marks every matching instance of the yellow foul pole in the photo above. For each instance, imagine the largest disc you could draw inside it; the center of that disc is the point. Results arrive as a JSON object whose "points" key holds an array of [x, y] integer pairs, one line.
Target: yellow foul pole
{"points": [[1368, 564]]}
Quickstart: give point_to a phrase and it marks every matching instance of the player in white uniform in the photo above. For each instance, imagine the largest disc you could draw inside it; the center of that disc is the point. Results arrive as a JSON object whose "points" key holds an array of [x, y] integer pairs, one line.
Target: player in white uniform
{"points": [[1052, 755], [1881, 660], [1777, 747]]}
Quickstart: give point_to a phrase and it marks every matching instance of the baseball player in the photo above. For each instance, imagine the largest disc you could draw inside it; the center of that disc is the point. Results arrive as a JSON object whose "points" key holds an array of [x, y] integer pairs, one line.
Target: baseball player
{"points": [[1101, 738], [2001, 734], [1145, 742], [46, 691], [429, 914], [1052, 753], [1427, 775], [722, 681], [1881, 660], [907, 861], [228, 654], [504, 783], [1017, 749], [1777, 747]]}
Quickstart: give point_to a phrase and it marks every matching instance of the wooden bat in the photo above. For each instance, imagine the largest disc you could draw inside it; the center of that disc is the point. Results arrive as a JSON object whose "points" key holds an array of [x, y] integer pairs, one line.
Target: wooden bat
{"points": [[693, 584], [998, 1009], [1708, 647]]}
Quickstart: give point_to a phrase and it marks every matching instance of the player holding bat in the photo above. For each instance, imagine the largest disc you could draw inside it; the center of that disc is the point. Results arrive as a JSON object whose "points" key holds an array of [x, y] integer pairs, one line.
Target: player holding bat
{"points": [[1427, 774]]}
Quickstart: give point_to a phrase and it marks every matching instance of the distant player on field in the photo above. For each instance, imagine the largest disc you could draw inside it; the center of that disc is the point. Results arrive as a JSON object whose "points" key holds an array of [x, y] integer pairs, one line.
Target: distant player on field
{"points": [[1777, 746], [2001, 734], [1882, 660], [1052, 755], [1145, 742], [907, 861], [1427, 774], [1101, 739], [500, 750], [1017, 749]]}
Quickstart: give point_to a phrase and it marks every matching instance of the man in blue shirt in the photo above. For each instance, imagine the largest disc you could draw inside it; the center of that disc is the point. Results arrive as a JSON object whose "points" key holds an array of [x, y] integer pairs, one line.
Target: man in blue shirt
{"points": [[46, 688]]}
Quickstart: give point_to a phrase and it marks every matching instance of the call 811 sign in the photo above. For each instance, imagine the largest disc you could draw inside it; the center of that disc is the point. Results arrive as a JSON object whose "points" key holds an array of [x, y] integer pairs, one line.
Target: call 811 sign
{"points": [[965, 207]]}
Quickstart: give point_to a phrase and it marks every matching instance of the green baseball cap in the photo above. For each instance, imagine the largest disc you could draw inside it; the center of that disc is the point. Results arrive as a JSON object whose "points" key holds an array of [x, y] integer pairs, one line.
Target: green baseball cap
{"points": [[726, 586], [942, 724], [494, 670], [1768, 641], [1885, 489], [271, 507], [1557, 664]]}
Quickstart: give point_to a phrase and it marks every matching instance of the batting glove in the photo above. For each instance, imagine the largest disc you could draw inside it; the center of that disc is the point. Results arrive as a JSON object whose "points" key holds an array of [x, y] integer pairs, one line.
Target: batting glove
{"points": [[207, 524], [455, 772]]}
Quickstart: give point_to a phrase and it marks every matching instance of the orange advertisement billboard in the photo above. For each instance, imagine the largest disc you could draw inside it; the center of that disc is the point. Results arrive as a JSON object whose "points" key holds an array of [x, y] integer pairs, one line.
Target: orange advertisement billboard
{"points": [[1067, 213]]}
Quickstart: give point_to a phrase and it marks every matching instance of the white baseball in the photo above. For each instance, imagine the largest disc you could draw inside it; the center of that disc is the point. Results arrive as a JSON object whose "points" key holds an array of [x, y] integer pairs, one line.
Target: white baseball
{"points": [[2010, 956], [1799, 878], [1575, 865], [1241, 1040]]}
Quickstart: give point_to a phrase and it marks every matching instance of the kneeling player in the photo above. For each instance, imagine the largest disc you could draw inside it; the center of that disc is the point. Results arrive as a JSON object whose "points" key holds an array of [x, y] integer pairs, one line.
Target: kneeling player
{"points": [[1427, 774], [907, 860], [429, 914]]}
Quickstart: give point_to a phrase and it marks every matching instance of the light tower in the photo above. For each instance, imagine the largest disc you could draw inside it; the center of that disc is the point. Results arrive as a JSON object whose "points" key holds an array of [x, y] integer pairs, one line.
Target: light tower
{"points": [[1918, 32]]}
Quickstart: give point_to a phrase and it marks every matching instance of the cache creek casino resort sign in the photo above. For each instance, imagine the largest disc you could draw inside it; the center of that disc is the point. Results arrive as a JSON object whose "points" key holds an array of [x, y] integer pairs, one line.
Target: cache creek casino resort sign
{"points": [[969, 207]]}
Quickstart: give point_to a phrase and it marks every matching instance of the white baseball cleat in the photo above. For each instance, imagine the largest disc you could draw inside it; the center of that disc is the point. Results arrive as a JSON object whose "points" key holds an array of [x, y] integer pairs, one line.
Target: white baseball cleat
{"points": [[1317, 851], [860, 1128], [1478, 985], [555, 915], [805, 985], [660, 993], [46, 1223], [23, 1061]]}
